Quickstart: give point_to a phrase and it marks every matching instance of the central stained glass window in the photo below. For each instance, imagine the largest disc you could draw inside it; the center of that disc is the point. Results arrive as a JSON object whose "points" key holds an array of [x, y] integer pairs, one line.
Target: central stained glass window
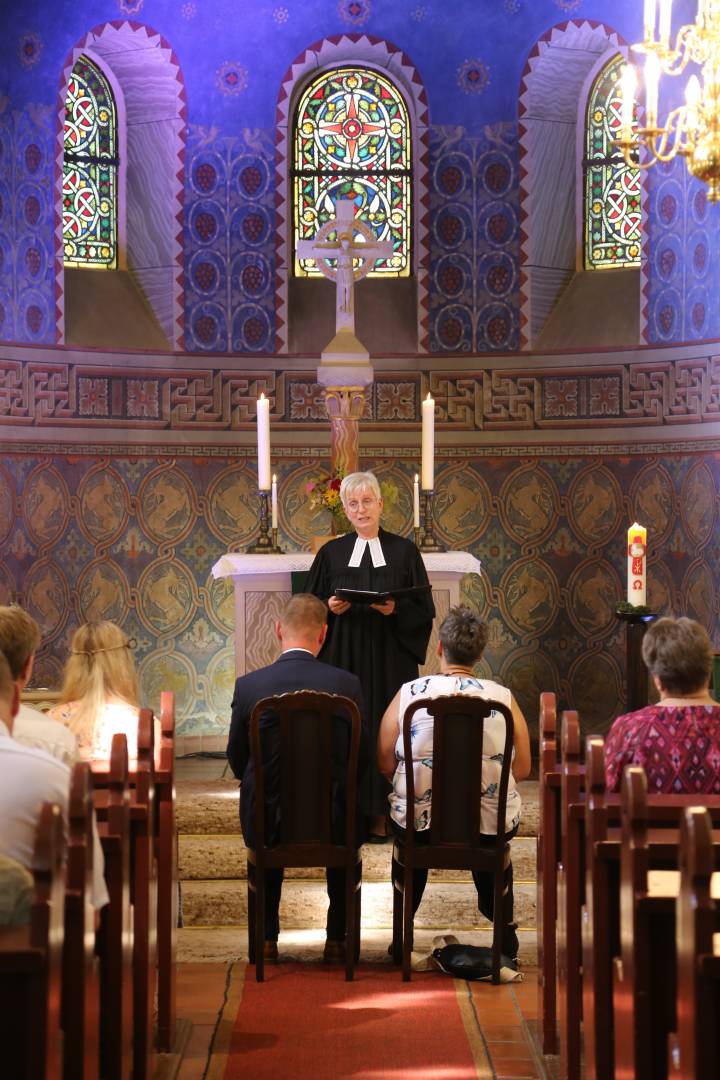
{"points": [[90, 167], [612, 188], [352, 141]]}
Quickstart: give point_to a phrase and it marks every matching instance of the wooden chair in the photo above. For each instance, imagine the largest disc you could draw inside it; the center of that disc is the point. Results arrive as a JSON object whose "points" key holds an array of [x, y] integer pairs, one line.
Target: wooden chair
{"points": [[31, 966], [455, 831], [116, 935], [305, 721], [81, 984], [694, 1048]]}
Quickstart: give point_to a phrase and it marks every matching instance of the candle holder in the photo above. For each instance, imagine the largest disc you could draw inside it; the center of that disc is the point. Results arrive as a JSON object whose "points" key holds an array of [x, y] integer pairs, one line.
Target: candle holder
{"points": [[417, 532], [266, 544], [428, 541]]}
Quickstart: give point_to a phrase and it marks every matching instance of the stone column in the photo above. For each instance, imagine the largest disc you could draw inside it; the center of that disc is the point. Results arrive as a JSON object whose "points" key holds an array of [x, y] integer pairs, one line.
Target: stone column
{"points": [[345, 375]]}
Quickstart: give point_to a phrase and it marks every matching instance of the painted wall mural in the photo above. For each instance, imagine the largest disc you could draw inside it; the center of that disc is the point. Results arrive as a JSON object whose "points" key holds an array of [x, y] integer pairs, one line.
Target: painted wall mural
{"points": [[469, 66], [132, 536]]}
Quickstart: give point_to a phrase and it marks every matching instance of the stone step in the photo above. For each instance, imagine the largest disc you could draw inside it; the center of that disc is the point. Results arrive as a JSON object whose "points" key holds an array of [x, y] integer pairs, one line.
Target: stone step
{"points": [[211, 807], [222, 856], [228, 943], [446, 904]]}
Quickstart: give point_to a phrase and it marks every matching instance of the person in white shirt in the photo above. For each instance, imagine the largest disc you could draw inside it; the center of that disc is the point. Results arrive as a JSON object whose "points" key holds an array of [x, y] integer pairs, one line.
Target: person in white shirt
{"points": [[28, 778], [19, 640]]}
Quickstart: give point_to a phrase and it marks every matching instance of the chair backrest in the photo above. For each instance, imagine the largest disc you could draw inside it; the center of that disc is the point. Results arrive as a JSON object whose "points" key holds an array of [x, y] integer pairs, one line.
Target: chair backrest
{"points": [[300, 727], [458, 735]]}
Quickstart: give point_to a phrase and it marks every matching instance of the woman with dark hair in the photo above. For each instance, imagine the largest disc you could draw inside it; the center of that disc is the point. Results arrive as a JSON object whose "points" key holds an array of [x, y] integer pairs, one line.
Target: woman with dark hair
{"points": [[677, 741], [463, 637]]}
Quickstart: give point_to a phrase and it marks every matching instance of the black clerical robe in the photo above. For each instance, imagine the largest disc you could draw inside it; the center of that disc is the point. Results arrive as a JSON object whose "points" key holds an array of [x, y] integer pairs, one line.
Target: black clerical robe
{"points": [[384, 651]]}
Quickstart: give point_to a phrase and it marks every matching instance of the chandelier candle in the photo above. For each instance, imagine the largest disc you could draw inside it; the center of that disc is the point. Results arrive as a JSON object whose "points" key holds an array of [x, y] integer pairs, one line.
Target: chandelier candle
{"points": [[636, 564], [263, 443], [428, 444]]}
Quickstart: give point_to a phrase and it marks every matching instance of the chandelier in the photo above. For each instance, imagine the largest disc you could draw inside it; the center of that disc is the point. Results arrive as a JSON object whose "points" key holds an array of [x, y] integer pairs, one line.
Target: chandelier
{"points": [[691, 130]]}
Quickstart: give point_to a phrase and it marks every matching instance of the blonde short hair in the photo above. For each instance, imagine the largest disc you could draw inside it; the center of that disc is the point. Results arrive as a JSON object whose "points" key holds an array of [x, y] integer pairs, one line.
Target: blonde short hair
{"points": [[7, 680], [304, 612], [19, 637], [359, 481], [100, 669]]}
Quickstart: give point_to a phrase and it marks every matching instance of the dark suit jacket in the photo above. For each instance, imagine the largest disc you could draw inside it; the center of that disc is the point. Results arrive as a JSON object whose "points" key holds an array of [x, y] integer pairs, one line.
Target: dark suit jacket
{"points": [[294, 670]]}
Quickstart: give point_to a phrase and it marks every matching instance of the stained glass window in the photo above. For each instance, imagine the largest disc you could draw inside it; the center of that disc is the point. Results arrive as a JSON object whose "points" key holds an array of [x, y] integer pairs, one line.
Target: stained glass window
{"points": [[90, 170], [352, 141], [612, 188]]}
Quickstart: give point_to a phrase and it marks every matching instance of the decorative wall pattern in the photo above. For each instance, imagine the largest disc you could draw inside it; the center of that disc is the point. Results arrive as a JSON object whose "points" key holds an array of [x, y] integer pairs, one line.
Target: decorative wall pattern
{"points": [[474, 241], [26, 216], [133, 538], [229, 250], [682, 300], [205, 400]]}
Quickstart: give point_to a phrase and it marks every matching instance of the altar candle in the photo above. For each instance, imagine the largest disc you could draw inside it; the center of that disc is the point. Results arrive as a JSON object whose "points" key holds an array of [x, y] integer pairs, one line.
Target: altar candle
{"points": [[428, 443], [273, 501], [416, 502], [636, 556], [263, 443]]}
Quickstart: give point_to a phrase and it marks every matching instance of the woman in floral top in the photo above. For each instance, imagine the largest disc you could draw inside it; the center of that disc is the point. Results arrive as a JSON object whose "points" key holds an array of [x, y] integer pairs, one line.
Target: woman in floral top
{"points": [[676, 741], [100, 696]]}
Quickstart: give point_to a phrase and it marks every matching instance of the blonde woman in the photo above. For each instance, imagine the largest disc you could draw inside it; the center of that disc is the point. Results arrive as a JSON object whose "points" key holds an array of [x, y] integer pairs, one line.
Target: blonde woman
{"points": [[100, 696]]}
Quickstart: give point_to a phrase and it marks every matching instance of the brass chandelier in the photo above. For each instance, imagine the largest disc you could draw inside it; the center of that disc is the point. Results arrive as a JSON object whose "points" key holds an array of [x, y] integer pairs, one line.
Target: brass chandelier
{"points": [[691, 130]]}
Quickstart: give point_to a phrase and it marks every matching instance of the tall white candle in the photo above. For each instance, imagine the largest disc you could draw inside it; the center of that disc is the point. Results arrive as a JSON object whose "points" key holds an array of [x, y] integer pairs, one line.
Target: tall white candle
{"points": [[263, 443], [664, 22], [650, 16], [428, 444], [636, 564], [416, 502], [273, 502]]}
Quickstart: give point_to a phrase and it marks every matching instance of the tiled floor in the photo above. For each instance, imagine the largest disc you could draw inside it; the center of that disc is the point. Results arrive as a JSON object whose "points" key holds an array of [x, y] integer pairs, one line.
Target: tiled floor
{"points": [[505, 1014]]}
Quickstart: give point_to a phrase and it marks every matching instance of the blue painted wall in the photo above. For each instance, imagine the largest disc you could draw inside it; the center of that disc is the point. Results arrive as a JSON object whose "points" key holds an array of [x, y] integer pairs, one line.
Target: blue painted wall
{"points": [[470, 54]]}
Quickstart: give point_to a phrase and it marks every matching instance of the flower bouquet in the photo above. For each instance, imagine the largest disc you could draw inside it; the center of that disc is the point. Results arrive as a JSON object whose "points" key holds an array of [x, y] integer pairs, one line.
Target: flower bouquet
{"points": [[325, 495]]}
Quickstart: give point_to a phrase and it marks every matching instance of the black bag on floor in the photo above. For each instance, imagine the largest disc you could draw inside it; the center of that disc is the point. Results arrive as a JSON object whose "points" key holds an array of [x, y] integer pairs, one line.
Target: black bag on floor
{"points": [[474, 963]]}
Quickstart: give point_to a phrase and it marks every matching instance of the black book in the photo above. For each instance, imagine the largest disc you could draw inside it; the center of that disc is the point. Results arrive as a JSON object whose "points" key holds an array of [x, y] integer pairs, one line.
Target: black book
{"points": [[372, 596]]}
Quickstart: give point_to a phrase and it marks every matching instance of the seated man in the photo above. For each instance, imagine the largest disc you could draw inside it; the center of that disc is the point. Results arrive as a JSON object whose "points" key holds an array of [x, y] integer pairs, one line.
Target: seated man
{"points": [[28, 778], [301, 631], [463, 637], [19, 639]]}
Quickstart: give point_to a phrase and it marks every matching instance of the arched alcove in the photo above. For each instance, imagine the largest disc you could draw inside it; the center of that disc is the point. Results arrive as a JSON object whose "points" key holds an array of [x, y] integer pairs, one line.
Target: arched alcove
{"points": [[146, 77]]}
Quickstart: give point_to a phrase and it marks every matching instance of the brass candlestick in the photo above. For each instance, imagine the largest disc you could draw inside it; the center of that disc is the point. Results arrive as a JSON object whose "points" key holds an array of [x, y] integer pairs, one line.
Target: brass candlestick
{"points": [[265, 544], [417, 532], [429, 541]]}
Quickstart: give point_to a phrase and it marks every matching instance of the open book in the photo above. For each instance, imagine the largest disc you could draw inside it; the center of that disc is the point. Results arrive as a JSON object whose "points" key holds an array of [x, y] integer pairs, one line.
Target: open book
{"points": [[372, 596]]}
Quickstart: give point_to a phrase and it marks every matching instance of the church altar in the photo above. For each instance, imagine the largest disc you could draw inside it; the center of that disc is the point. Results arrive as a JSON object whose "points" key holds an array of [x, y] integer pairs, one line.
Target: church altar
{"points": [[263, 585]]}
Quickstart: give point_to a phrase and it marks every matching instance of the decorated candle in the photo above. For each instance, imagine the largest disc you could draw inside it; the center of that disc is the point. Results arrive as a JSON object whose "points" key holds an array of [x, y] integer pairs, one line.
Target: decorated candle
{"points": [[428, 443], [416, 502], [637, 556], [273, 501], [263, 443]]}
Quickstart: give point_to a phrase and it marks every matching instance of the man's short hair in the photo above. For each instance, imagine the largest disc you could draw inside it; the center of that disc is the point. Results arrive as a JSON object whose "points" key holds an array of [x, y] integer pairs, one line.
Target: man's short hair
{"points": [[463, 636], [7, 680], [678, 653], [304, 613], [19, 637]]}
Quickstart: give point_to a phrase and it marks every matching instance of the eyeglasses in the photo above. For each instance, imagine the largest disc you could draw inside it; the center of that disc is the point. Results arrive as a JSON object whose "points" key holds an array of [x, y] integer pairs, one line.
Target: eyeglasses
{"points": [[354, 505]]}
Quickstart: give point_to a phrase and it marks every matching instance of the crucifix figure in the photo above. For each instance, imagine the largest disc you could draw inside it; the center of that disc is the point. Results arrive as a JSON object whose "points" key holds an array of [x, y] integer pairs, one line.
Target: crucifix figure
{"points": [[346, 251]]}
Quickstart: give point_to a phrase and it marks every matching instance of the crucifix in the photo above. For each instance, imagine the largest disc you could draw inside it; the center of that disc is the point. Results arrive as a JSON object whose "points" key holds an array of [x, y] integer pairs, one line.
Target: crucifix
{"points": [[345, 372], [354, 258]]}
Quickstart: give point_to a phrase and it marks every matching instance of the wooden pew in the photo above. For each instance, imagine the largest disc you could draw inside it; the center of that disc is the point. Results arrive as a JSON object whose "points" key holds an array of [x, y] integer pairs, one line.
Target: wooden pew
{"points": [[144, 896], [694, 1049], [644, 976], [570, 886], [548, 846], [167, 858], [31, 966], [81, 984], [601, 914], [116, 937]]}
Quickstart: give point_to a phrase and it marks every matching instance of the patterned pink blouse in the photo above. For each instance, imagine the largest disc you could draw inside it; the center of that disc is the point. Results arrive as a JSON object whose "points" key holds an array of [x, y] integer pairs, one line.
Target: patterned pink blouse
{"points": [[677, 745]]}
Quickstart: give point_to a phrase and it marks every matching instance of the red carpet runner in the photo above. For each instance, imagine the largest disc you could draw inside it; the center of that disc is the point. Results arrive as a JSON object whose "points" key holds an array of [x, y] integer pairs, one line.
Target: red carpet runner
{"points": [[306, 1021]]}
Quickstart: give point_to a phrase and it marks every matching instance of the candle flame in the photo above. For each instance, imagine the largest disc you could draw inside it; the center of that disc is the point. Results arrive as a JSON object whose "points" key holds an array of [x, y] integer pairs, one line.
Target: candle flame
{"points": [[416, 478], [428, 398], [274, 478], [262, 397]]}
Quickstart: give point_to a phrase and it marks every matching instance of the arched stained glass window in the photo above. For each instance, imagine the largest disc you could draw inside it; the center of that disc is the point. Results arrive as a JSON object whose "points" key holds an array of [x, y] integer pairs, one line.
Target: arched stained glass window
{"points": [[352, 140], [611, 188], [90, 170]]}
